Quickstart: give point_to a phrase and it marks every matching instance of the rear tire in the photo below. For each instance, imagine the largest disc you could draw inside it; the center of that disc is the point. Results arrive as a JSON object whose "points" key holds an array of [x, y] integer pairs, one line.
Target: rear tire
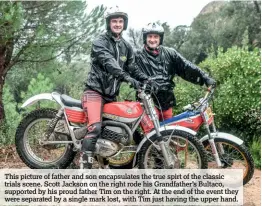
{"points": [[30, 156], [244, 161]]}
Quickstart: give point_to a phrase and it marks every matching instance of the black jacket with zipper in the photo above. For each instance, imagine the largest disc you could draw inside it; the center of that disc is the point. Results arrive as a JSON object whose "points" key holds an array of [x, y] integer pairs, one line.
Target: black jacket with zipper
{"points": [[111, 61], [163, 67]]}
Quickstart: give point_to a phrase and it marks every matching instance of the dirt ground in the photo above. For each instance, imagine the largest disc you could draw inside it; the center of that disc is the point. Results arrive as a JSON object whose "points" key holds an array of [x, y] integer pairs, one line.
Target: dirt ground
{"points": [[252, 191]]}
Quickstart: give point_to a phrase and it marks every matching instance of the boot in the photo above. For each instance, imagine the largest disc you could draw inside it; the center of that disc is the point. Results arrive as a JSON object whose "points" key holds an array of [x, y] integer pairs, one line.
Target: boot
{"points": [[86, 160]]}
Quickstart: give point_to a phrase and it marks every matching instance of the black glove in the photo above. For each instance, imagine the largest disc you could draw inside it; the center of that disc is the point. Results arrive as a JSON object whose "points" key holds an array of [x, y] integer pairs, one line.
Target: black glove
{"points": [[134, 83], [210, 82], [153, 85]]}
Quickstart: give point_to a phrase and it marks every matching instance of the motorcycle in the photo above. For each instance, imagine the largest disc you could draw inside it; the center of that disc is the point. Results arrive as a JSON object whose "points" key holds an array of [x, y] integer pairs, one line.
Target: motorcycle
{"points": [[225, 150], [49, 138]]}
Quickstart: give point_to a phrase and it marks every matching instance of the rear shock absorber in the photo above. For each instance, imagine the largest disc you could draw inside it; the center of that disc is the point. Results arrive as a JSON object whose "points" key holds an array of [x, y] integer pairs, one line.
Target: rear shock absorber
{"points": [[51, 126]]}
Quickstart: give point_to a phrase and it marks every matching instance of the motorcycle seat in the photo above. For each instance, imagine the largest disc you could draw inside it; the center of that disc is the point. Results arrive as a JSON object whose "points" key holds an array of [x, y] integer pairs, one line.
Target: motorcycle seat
{"points": [[70, 102]]}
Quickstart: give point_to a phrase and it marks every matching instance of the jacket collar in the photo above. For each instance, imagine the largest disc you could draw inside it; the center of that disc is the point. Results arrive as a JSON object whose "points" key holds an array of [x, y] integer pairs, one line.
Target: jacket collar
{"points": [[113, 37], [153, 52]]}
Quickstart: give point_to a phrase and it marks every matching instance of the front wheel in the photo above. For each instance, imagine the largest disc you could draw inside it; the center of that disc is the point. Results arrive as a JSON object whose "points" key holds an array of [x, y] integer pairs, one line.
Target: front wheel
{"points": [[232, 156], [33, 154], [186, 149]]}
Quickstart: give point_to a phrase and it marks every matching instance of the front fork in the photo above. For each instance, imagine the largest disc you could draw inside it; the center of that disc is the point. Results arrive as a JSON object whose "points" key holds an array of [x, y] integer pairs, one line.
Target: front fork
{"points": [[213, 144], [168, 157]]}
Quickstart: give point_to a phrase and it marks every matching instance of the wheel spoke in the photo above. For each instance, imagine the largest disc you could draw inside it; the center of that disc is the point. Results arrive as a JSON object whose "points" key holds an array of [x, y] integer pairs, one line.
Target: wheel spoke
{"points": [[185, 154], [32, 135], [234, 156]]}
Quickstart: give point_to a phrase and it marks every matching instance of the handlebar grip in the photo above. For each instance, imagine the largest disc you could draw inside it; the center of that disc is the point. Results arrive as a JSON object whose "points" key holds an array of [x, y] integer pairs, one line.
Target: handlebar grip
{"points": [[209, 88]]}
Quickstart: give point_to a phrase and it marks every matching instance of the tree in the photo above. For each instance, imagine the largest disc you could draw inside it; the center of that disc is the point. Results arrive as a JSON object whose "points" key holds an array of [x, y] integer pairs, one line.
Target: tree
{"points": [[177, 37], [38, 85], [135, 38], [223, 26], [61, 29]]}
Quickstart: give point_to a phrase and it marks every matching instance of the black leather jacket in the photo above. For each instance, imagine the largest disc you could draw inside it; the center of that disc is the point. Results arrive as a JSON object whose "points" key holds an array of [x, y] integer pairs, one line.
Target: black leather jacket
{"points": [[111, 61], [162, 69]]}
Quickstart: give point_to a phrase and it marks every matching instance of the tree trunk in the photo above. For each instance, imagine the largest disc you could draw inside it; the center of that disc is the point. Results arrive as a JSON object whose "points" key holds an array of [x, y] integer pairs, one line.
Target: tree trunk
{"points": [[257, 6], [2, 81], [2, 111]]}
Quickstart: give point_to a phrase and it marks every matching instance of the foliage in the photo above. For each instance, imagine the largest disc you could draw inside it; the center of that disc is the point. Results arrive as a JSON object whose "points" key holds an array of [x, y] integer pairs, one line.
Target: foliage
{"points": [[238, 94], [135, 38], [62, 29], [7, 130], [38, 85], [226, 24], [255, 150], [185, 93], [126, 93], [237, 97], [36, 32]]}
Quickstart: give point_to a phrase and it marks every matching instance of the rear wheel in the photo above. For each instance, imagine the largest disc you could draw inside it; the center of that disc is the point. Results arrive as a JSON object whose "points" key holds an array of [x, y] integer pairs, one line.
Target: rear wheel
{"points": [[234, 157], [33, 154], [187, 151]]}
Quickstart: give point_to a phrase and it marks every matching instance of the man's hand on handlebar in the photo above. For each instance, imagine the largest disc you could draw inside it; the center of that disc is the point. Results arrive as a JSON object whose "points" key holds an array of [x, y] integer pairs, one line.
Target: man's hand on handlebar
{"points": [[132, 82], [210, 82], [151, 84]]}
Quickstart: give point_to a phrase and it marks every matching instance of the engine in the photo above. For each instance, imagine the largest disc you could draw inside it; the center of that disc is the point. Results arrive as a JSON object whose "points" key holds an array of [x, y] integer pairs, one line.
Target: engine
{"points": [[108, 144], [115, 134], [106, 148]]}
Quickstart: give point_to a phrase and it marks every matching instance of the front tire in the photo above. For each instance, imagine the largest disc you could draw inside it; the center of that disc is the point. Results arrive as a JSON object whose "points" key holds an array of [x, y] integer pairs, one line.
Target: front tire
{"points": [[187, 148], [35, 156], [235, 157]]}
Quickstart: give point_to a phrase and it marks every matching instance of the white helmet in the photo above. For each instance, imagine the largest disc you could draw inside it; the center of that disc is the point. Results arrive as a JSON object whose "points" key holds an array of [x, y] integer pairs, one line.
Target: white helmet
{"points": [[153, 28], [115, 12]]}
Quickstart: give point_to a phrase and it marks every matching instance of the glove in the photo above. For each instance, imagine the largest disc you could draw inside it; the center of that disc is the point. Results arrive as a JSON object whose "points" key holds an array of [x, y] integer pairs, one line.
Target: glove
{"points": [[133, 83], [153, 85], [210, 82]]}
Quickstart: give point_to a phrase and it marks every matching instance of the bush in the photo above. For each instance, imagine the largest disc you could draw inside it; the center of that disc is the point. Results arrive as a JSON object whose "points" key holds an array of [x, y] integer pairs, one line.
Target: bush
{"points": [[237, 97], [185, 93], [255, 149], [237, 101], [12, 118], [13, 111]]}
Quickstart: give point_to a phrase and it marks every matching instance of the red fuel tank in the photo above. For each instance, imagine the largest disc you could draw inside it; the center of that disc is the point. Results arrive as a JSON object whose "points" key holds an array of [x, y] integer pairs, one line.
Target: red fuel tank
{"points": [[124, 109]]}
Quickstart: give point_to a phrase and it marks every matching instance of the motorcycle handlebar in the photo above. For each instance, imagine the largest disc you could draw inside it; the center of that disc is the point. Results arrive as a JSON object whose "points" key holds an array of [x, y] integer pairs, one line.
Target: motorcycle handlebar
{"points": [[208, 95]]}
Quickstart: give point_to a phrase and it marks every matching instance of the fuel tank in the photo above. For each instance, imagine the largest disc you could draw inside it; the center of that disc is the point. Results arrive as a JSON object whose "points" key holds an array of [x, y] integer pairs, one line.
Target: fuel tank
{"points": [[123, 111]]}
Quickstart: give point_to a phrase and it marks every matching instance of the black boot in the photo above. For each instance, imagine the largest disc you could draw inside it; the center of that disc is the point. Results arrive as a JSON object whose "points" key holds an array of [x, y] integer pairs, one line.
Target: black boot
{"points": [[89, 145], [86, 160]]}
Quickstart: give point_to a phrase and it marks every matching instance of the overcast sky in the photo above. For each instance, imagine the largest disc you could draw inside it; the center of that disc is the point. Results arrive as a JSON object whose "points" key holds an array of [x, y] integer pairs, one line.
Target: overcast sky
{"points": [[141, 12]]}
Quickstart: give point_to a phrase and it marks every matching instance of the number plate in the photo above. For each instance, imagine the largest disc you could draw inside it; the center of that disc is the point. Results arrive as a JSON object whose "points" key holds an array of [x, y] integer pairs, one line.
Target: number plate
{"points": [[208, 115]]}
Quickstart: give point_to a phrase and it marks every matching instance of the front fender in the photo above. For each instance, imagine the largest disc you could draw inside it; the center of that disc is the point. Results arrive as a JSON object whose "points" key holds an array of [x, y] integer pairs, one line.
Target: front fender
{"points": [[36, 98], [223, 135], [149, 135]]}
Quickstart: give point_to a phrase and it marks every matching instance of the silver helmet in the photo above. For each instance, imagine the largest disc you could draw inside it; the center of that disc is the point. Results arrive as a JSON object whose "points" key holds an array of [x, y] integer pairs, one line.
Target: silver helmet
{"points": [[115, 12], [153, 28]]}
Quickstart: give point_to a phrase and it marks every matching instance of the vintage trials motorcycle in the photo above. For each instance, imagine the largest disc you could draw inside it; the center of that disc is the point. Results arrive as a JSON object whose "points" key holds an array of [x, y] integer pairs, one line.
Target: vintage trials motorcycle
{"points": [[224, 150], [49, 138]]}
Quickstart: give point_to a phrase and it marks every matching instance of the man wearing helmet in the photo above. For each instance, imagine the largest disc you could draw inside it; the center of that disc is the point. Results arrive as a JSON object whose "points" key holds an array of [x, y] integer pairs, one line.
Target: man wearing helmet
{"points": [[112, 62], [161, 64]]}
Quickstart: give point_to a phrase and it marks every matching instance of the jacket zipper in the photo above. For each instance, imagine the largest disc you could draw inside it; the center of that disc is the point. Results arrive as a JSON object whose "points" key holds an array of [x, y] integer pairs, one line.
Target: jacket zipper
{"points": [[117, 58]]}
